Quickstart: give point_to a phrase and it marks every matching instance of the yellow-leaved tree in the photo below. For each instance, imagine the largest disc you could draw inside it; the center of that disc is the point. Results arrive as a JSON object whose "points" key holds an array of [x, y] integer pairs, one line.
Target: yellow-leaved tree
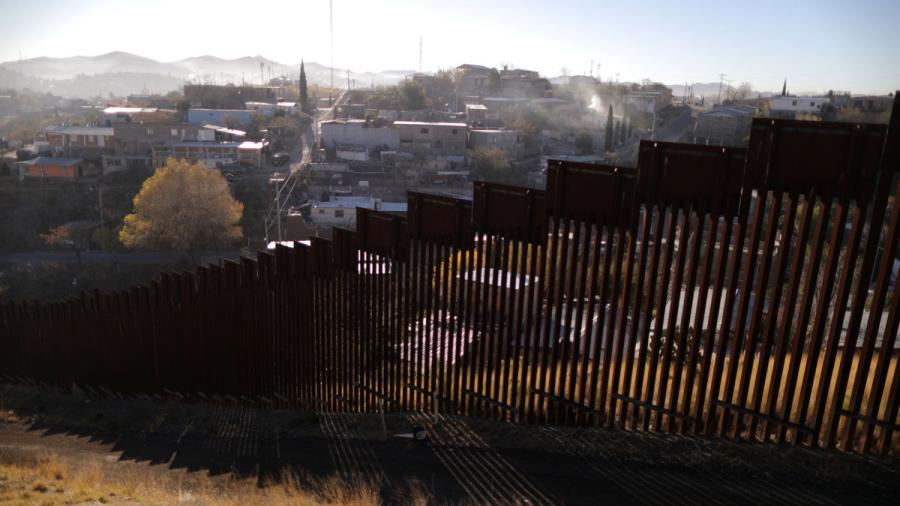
{"points": [[183, 207]]}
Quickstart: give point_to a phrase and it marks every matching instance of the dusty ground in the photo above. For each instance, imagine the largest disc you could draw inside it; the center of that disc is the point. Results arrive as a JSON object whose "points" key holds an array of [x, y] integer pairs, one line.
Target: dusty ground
{"points": [[160, 452]]}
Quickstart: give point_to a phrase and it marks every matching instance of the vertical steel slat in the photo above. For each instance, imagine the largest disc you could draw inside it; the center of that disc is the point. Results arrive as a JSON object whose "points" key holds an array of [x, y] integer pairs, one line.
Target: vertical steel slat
{"points": [[510, 398], [800, 328], [589, 358], [875, 314], [757, 309], [555, 307], [771, 322], [747, 276], [501, 362], [604, 403], [670, 216], [629, 408], [571, 380], [655, 215], [879, 382], [543, 338], [695, 218], [782, 339], [824, 299], [675, 303], [710, 225], [533, 327]]}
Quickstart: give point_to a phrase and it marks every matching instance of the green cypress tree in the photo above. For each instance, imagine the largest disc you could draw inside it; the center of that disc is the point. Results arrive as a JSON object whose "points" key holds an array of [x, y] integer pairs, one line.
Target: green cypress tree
{"points": [[304, 93], [608, 139]]}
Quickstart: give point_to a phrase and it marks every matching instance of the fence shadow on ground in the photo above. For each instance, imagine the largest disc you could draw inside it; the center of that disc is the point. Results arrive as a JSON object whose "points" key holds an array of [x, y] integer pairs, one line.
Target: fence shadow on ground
{"points": [[464, 460]]}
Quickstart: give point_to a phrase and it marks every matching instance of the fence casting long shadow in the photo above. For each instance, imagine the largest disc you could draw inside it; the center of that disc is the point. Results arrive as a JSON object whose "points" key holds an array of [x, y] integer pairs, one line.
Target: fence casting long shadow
{"points": [[744, 293]]}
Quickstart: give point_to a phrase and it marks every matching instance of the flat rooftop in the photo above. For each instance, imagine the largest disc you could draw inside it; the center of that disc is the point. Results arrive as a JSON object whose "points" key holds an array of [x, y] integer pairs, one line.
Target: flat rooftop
{"points": [[80, 130], [46, 160], [425, 123]]}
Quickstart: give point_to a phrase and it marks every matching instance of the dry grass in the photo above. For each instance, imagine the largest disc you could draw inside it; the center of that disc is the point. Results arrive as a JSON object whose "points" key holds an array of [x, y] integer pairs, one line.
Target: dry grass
{"points": [[53, 480]]}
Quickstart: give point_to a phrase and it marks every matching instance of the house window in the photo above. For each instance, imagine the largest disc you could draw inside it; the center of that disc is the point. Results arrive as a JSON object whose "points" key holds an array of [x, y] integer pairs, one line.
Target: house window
{"points": [[455, 131], [439, 144], [812, 104], [149, 131], [423, 131], [174, 132], [339, 213], [794, 102], [321, 211]]}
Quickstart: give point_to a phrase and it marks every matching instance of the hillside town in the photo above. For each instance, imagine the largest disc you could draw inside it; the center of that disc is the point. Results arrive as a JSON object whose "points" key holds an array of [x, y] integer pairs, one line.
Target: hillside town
{"points": [[311, 154], [343, 252]]}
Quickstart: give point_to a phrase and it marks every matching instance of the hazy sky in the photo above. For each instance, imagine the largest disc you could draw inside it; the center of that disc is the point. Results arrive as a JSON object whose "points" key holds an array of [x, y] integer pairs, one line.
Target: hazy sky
{"points": [[816, 45]]}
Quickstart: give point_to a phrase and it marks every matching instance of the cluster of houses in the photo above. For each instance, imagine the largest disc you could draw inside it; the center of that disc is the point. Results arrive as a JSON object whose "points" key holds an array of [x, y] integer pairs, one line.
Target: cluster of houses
{"points": [[729, 125], [212, 131]]}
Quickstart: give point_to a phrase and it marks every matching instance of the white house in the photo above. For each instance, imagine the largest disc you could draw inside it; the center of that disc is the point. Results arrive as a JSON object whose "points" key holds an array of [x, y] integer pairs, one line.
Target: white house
{"points": [[358, 132], [795, 105], [341, 211]]}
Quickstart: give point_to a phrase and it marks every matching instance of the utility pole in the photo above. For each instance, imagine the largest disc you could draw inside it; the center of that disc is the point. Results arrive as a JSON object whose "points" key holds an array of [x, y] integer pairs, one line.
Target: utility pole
{"points": [[721, 80], [278, 209], [331, 37], [420, 54], [100, 194], [592, 68], [262, 76]]}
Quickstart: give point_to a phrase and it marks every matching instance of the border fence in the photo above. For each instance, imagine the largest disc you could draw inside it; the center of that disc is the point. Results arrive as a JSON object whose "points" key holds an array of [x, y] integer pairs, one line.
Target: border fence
{"points": [[743, 293]]}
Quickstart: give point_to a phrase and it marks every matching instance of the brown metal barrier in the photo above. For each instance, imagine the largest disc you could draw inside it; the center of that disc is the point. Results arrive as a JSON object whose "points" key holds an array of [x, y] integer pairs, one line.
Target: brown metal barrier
{"points": [[744, 293]]}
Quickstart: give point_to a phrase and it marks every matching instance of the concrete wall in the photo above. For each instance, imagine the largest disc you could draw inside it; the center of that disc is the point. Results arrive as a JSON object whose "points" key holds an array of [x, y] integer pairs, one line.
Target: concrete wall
{"points": [[357, 133], [432, 139], [809, 105], [138, 139]]}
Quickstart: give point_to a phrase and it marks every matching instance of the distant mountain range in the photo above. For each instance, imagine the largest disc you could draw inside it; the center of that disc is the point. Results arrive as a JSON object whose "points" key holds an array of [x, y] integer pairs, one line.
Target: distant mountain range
{"points": [[123, 73]]}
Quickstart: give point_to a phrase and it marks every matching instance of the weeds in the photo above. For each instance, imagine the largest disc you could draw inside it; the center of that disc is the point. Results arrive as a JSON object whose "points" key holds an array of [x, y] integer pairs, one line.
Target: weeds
{"points": [[53, 480]]}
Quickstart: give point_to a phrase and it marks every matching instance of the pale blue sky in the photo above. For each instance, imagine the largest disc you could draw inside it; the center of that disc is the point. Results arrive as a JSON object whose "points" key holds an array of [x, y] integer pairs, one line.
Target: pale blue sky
{"points": [[816, 45]]}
